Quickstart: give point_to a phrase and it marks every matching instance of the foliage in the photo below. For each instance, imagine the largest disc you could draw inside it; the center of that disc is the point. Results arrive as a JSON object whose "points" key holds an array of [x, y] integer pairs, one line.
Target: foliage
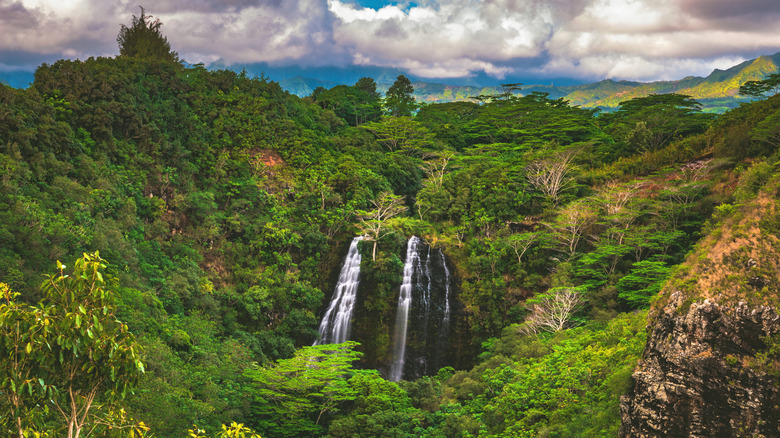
{"points": [[767, 86], [291, 397], [143, 39], [374, 224], [224, 204], [70, 352], [647, 124], [399, 101], [235, 430], [642, 283], [553, 310], [357, 104]]}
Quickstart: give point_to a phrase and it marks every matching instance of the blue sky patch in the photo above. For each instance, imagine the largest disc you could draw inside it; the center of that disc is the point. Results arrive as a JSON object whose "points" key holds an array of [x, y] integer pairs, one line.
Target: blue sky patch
{"points": [[378, 4]]}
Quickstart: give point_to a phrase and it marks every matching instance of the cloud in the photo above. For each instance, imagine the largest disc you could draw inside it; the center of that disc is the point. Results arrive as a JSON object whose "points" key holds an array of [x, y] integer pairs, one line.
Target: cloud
{"points": [[267, 31], [636, 39], [733, 15], [448, 38], [52, 27], [645, 39], [589, 39]]}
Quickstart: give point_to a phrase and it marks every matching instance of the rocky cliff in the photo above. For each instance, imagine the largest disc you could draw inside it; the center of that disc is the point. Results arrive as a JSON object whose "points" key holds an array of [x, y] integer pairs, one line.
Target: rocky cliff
{"points": [[702, 374], [711, 367]]}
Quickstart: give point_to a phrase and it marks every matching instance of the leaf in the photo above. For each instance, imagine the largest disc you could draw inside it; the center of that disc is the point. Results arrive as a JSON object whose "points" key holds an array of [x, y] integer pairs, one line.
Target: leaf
{"points": [[29, 348]]}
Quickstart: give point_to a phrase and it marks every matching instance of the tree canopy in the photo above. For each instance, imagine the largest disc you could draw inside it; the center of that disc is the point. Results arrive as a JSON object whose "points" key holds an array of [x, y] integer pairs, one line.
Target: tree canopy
{"points": [[399, 101], [143, 39]]}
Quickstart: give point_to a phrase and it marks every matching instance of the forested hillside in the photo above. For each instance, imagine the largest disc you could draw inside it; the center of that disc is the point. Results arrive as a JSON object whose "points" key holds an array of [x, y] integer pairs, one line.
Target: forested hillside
{"points": [[189, 227]]}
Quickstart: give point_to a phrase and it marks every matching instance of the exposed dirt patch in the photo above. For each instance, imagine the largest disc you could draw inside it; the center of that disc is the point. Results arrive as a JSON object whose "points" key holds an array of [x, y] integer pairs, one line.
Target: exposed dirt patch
{"points": [[268, 157]]}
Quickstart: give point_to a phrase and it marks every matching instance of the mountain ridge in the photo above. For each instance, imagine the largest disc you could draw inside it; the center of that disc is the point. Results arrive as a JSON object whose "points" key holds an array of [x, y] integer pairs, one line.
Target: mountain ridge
{"points": [[717, 92]]}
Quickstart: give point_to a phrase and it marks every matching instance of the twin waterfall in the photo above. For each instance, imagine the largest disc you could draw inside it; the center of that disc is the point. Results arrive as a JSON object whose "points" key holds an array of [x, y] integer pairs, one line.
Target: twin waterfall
{"points": [[422, 324], [334, 328], [411, 265]]}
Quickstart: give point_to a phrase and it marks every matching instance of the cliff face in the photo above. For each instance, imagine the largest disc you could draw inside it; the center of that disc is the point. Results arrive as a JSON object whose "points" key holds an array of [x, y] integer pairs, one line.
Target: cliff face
{"points": [[700, 375], [711, 367]]}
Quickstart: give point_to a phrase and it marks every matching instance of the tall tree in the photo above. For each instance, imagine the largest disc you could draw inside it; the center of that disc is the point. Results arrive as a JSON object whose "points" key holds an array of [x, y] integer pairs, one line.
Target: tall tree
{"points": [[399, 101], [551, 175], [374, 223], [553, 310], [401, 133], [368, 106], [143, 39]]}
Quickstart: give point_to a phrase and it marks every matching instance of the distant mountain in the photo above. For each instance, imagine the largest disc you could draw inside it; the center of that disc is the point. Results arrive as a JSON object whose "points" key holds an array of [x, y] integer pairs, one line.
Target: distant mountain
{"points": [[301, 86], [717, 92]]}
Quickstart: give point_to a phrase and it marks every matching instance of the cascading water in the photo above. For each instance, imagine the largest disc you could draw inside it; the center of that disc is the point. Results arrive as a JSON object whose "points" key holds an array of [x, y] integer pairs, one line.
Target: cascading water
{"points": [[422, 330], [402, 314], [335, 324], [446, 321]]}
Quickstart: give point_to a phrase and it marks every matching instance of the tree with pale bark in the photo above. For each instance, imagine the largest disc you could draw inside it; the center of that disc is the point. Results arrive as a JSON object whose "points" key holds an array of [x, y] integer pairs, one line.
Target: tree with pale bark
{"points": [[373, 223], [553, 310], [571, 225], [551, 176]]}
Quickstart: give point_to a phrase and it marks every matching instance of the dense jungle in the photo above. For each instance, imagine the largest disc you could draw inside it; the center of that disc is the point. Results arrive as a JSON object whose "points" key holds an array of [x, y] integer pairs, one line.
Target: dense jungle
{"points": [[171, 236]]}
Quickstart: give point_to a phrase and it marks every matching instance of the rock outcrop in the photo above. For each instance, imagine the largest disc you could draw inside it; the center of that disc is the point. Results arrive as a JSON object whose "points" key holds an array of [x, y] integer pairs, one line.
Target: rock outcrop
{"points": [[706, 373]]}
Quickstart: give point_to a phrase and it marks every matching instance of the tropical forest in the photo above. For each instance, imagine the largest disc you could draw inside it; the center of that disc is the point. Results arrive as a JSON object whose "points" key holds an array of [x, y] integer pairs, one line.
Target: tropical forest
{"points": [[196, 252]]}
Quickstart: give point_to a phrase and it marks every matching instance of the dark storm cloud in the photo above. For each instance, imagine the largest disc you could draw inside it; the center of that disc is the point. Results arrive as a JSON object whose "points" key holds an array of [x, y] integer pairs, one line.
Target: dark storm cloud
{"points": [[739, 15], [298, 31], [16, 15], [724, 9], [211, 6]]}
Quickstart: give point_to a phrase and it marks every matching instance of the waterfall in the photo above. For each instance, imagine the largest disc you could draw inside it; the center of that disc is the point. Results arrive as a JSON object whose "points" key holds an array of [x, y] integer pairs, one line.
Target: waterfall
{"points": [[446, 320], [421, 342], [334, 327], [402, 314]]}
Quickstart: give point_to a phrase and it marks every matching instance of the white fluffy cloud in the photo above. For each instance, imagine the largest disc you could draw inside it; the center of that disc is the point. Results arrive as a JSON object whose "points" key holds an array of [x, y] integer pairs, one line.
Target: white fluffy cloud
{"points": [[626, 39]]}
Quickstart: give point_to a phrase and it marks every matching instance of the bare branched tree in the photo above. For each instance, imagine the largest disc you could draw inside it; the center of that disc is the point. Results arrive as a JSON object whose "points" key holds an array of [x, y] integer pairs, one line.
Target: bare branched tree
{"points": [[374, 223], [435, 167], [619, 217], [571, 224], [553, 310], [521, 243], [551, 176]]}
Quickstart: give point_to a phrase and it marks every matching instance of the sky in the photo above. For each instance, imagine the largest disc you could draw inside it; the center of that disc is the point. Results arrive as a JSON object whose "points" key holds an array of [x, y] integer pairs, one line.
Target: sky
{"points": [[585, 39]]}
